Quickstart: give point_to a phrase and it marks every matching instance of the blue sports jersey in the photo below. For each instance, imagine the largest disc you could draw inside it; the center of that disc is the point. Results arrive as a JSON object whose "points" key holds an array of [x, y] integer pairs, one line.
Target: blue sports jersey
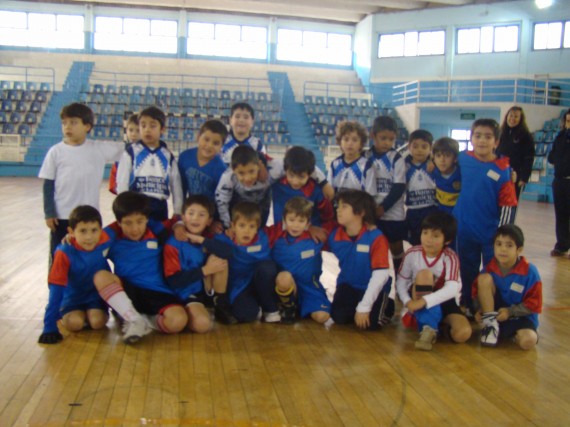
{"points": [[198, 179], [447, 189], [184, 256], [232, 143], [420, 185]]}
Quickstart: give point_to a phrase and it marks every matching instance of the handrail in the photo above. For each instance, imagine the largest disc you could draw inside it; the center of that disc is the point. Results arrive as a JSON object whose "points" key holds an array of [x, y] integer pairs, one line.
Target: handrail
{"points": [[28, 74], [337, 90]]}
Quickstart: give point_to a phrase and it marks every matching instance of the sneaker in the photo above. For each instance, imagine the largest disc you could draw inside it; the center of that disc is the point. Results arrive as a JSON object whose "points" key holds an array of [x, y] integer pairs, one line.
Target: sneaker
{"points": [[272, 317], [133, 331], [224, 315], [490, 334], [557, 252], [428, 335], [288, 314]]}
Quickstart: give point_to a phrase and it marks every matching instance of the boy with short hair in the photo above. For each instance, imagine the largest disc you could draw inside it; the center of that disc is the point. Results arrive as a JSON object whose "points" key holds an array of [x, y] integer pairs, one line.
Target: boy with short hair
{"points": [[149, 167], [363, 284], [420, 186], [299, 260], [137, 286], [428, 283], [133, 135], [447, 175], [73, 170], [390, 175], [486, 201], [72, 294], [250, 279], [241, 123], [509, 291]]}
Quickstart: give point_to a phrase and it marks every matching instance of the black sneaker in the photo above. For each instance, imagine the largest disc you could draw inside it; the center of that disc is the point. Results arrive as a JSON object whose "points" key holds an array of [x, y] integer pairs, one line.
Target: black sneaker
{"points": [[224, 314], [288, 315]]}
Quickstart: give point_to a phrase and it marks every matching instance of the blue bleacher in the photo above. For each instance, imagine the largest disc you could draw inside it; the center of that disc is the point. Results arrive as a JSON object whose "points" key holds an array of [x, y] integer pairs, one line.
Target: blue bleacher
{"points": [[24, 129], [8, 128], [30, 118], [6, 105], [15, 117]]}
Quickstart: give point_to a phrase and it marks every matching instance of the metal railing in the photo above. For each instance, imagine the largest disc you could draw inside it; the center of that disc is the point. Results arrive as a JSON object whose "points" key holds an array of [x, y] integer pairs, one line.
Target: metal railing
{"points": [[39, 75], [335, 90]]}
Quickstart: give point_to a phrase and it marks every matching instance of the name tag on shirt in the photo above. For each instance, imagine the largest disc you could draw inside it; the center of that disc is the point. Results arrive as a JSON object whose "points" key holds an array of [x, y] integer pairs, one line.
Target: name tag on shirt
{"points": [[493, 175], [152, 245], [515, 287], [308, 254], [363, 248], [251, 249], [105, 253]]}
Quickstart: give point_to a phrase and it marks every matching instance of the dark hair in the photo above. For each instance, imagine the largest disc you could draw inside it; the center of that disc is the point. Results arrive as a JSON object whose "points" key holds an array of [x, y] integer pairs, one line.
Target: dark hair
{"points": [[247, 210], [81, 111], [201, 200], [443, 222], [446, 145], [512, 231], [361, 202], [299, 206], [522, 124], [84, 213], [384, 123], [242, 106], [129, 203], [299, 160], [243, 155], [344, 127], [134, 119], [563, 119], [154, 113], [487, 123], [214, 126], [422, 134]]}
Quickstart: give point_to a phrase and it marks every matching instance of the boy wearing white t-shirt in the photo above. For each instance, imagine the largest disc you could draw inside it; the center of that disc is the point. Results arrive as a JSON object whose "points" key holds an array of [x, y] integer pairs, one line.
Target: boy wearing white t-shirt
{"points": [[73, 170]]}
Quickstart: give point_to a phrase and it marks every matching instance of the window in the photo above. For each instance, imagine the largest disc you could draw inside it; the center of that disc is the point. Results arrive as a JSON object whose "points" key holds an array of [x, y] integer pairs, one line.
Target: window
{"points": [[551, 35], [135, 35], [41, 30], [315, 47], [463, 137], [488, 39], [412, 43], [236, 41]]}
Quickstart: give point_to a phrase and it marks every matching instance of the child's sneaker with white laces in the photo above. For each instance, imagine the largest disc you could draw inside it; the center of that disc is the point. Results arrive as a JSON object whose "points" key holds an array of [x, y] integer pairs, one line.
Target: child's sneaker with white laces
{"points": [[134, 330], [428, 335], [490, 330], [272, 317]]}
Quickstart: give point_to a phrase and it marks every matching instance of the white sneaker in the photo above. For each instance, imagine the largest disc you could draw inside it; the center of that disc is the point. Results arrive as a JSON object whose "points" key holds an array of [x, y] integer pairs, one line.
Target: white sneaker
{"points": [[428, 335], [133, 331], [490, 334], [272, 317]]}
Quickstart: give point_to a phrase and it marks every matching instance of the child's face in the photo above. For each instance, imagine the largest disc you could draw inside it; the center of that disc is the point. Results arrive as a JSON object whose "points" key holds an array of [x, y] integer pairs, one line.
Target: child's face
{"points": [[351, 145], [432, 241], [295, 224], [345, 215], [247, 174], [297, 180], [567, 121], [384, 140], [244, 230], [506, 251], [150, 131], [133, 134], [74, 130], [484, 142], [196, 218], [420, 150], [209, 144], [86, 234], [133, 226], [241, 123], [444, 161]]}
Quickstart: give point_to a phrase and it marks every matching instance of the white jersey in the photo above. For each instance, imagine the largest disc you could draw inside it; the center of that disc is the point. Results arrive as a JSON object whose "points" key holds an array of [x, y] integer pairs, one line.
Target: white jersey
{"points": [[389, 169], [352, 176]]}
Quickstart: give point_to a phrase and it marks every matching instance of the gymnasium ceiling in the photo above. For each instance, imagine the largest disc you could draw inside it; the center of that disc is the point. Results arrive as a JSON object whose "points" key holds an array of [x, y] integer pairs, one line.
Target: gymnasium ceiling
{"points": [[346, 11]]}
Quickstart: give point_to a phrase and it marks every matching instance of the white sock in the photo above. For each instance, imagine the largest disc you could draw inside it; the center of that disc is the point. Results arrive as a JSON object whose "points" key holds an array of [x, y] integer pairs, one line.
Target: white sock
{"points": [[116, 297]]}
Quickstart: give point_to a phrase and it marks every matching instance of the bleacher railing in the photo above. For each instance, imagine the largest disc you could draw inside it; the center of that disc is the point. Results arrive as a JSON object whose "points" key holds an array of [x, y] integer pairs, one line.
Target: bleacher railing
{"points": [[529, 91], [335, 90], [38, 75]]}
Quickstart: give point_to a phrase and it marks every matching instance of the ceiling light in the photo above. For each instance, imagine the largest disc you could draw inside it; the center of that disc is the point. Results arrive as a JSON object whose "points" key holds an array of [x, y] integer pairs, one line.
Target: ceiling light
{"points": [[543, 4]]}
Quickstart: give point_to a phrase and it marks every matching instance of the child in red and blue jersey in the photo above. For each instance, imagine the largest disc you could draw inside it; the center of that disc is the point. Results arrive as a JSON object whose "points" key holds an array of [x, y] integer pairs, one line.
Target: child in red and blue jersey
{"points": [[364, 281], [72, 294], [509, 291], [447, 175], [133, 135], [299, 260], [241, 123], [486, 201]]}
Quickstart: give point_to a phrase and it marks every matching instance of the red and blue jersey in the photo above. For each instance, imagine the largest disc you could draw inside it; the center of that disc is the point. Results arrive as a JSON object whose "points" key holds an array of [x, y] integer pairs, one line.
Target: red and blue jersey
{"points": [[359, 256], [198, 179], [184, 256]]}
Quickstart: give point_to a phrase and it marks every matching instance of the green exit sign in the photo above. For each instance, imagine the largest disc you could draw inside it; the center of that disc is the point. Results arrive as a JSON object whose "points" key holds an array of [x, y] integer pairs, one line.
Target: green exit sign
{"points": [[467, 116]]}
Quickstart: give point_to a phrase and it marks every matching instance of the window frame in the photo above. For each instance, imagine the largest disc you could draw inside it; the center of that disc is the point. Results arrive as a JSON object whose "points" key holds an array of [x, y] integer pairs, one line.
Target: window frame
{"points": [[565, 33], [417, 42], [494, 27]]}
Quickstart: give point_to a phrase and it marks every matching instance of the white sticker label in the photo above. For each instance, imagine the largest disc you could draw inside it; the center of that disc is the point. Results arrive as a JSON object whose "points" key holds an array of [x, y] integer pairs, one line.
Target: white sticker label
{"points": [[105, 252], [363, 248], [251, 249], [493, 175], [152, 245], [308, 254], [515, 287]]}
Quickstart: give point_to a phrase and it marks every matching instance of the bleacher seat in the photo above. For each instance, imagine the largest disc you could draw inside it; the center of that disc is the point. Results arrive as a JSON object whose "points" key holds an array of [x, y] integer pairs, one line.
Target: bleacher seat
{"points": [[364, 103], [137, 90], [271, 138], [188, 135], [238, 95], [96, 97], [100, 132], [12, 95], [286, 139], [173, 134], [149, 99], [36, 107], [123, 90], [31, 86], [45, 87], [262, 97], [213, 93], [173, 122], [282, 127], [6, 105], [150, 90], [115, 132], [15, 117], [111, 89], [200, 93], [174, 92], [308, 99], [41, 96], [106, 108], [116, 120], [331, 100], [225, 94], [98, 88], [30, 118], [188, 122], [26, 96], [18, 85], [135, 98], [102, 120], [319, 100], [123, 98], [110, 98], [21, 106], [8, 128], [24, 129], [3, 118], [162, 91], [119, 108]]}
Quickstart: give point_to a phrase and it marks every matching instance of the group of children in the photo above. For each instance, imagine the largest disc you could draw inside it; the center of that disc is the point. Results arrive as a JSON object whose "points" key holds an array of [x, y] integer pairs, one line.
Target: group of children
{"points": [[218, 249]]}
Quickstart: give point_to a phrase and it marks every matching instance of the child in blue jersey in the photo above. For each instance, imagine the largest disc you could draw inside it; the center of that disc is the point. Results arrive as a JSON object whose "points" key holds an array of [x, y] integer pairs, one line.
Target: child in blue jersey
{"points": [[190, 265], [241, 123], [299, 260], [509, 292], [390, 175], [486, 201], [250, 279], [137, 286], [72, 294], [420, 186], [351, 170], [148, 166], [363, 284], [133, 135], [447, 175], [428, 283]]}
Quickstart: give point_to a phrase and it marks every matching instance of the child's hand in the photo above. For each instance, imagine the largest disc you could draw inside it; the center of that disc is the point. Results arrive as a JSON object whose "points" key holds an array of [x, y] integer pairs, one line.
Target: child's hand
{"points": [[379, 211], [50, 338], [415, 305], [318, 234], [362, 320], [430, 166], [67, 239], [230, 233], [179, 232], [328, 191], [195, 238], [217, 227], [214, 265], [51, 223], [503, 314]]}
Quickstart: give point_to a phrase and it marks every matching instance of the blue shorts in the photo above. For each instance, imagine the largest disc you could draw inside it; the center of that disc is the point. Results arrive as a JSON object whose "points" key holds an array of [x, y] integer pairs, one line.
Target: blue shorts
{"points": [[94, 304], [395, 231], [312, 297]]}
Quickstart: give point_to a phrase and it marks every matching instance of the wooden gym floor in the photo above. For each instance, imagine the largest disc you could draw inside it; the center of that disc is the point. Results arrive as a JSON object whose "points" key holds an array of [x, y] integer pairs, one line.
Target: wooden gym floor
{"points": [[268, 375]]}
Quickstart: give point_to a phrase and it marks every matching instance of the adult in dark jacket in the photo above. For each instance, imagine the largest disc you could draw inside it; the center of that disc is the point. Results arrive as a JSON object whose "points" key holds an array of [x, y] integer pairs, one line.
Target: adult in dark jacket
{"points": [[559, 156], [517, 144]]}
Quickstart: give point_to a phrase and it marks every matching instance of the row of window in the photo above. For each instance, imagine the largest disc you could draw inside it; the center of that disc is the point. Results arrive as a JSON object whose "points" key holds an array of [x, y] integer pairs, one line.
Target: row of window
{"points": [[243, 41]]}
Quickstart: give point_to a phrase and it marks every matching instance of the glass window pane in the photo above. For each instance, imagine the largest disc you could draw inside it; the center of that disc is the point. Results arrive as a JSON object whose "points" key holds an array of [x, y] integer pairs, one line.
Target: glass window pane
{"points": [[13, 37], [160, 44], [41, 21], [254, 34], [108, 25], [468, 40], [200, 30], [229, 33], [340, 41], [411, 43], [567, 34], [13, 20], [431, 43], [136, 26], [540, 36], [391, 45], [70, 23], [486, 45], [104, 41], [315, 39], [254, 50], [290, 37], [554, 35], [158, 27], [506, 39]]}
